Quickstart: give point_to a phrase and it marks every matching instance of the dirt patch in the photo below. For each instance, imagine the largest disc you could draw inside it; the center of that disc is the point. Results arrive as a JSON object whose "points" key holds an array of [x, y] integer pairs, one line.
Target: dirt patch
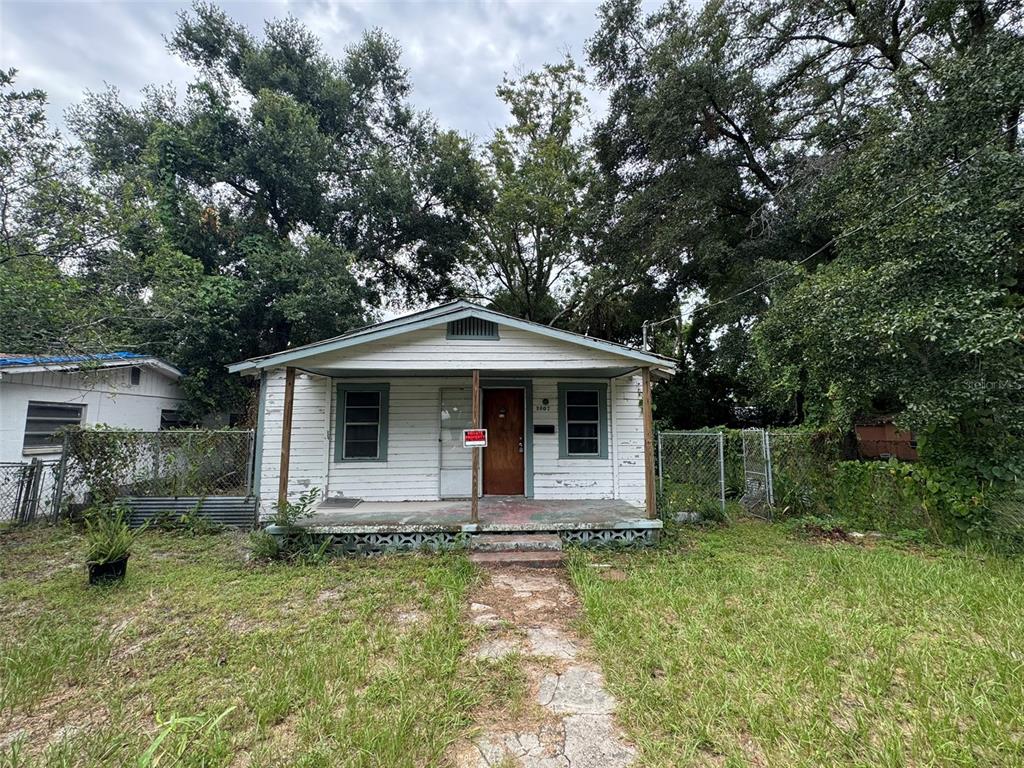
{"points": [[825, 532], [333, 594], [409, 617], [61, 715], [528, 597]]}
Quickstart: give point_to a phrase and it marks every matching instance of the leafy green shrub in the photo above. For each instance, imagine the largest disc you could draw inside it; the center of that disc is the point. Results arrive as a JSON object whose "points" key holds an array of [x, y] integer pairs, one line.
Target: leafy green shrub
{"points": [[676, 498], [195, 523], [291, 542], [107, 535], [900, 496], [288, 514], [263, 546], [192, 522]]}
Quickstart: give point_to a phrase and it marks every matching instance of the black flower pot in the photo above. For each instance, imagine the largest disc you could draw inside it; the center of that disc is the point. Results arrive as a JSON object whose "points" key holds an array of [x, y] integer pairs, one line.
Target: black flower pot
{"points": [[103, 573]]}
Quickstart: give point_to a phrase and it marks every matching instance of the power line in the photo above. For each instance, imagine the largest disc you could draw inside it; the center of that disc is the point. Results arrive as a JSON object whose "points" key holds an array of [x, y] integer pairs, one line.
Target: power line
{"points": [[650, 325]]}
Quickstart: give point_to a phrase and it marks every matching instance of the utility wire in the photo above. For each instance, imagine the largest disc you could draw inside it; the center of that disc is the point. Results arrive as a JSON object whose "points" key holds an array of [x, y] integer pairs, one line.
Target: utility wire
{"points": [[649, 325]]}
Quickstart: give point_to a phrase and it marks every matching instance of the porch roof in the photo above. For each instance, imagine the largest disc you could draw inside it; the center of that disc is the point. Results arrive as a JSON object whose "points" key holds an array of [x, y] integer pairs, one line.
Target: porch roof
{"points": [[311, 357]]}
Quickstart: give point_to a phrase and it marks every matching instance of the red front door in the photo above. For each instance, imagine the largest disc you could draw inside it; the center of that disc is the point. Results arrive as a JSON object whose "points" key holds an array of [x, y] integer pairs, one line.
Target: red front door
{"points": [[504, 467]]}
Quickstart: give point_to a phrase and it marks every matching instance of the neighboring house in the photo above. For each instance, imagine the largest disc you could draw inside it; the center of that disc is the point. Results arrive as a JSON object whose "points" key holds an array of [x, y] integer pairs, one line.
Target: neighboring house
{"points": [[40, 395], [377, 419]]}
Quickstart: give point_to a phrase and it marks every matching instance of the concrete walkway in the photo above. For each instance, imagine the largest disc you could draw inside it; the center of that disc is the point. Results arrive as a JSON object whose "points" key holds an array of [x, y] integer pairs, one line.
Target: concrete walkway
{"points": [[569, 721]]}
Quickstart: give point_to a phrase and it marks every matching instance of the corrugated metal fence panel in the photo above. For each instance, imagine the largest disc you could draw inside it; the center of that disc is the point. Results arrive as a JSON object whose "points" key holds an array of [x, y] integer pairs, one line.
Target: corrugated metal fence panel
{"points": [[233, 511]]}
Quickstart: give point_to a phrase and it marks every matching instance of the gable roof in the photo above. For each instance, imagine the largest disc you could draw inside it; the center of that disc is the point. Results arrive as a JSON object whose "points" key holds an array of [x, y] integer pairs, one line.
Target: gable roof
{"points": [[39, 363], [445, 313]]}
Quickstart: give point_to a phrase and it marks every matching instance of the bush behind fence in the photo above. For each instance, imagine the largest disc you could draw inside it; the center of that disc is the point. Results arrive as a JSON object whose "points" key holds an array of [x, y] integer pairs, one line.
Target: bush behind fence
{"points": [[109, 464], [810, 477]]}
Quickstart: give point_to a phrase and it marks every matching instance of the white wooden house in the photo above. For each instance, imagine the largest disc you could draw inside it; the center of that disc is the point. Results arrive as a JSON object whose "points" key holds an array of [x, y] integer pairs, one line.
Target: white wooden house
{"points": [[375, 419], [39, 395]]}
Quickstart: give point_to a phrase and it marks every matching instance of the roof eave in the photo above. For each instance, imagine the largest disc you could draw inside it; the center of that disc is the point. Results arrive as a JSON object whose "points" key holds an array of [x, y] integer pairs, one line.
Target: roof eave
{"points": [[152, 362], [454, 311]]}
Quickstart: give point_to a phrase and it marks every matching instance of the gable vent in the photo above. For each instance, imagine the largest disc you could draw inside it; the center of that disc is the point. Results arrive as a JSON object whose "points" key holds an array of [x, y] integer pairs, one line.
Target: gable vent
{"points": [[472, 328]]}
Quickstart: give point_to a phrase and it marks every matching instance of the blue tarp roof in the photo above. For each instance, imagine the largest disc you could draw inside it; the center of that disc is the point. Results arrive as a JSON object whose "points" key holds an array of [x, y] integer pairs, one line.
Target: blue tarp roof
{"points": [[14, 362]]}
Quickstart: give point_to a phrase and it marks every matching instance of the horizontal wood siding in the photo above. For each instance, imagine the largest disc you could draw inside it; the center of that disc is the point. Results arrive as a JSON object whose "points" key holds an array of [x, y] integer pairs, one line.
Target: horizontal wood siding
{"points": [[555, 478], [412, 469], [628, 428], [107, 394], [430, 349], [411, 472], [310, 441]]}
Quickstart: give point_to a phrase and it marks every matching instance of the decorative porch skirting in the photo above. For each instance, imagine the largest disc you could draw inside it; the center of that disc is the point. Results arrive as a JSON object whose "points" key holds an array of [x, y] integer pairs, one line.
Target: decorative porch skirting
{"points": [[397, 541]]}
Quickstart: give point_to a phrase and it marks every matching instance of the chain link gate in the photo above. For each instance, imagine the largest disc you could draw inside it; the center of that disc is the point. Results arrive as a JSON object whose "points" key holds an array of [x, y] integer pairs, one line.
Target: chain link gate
{"points": [[27, 490], [691, 471], [758, 497]]}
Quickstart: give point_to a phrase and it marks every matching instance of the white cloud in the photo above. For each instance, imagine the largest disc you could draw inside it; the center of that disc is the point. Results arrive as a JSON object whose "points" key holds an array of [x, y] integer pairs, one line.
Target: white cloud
{"points": [[456, 52]]}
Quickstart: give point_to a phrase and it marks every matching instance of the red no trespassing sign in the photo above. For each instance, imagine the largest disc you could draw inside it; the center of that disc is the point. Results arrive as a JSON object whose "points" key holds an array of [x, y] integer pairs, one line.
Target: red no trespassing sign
{"points": [[474, 438]]}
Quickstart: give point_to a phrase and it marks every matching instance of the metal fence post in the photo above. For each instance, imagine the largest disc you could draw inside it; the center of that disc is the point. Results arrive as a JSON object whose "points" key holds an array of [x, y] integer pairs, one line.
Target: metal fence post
{"points": [[769, 487], [250, 467], [661, 471], [58, 480], [30, 501], [721, 466]]}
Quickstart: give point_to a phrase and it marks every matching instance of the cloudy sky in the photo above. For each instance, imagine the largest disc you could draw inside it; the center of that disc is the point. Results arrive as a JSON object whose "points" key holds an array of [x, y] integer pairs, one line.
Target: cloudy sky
{"points": [[456, 52]]}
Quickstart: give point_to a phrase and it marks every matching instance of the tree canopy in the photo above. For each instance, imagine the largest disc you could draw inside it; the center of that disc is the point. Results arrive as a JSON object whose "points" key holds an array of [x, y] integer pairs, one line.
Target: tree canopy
{"points": [[817, 204]]}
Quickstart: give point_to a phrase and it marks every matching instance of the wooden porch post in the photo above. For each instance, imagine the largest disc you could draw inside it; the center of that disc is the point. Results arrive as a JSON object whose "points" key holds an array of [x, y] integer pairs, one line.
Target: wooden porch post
{"points": [[286, 435], [650, 493], [474, 492]]}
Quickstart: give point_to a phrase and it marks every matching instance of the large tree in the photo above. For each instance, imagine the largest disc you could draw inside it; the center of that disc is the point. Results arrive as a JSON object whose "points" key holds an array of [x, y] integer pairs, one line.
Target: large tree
{"points": [[724, 126], [294, 192], [51, 222], [920, 311], [532, 230]]}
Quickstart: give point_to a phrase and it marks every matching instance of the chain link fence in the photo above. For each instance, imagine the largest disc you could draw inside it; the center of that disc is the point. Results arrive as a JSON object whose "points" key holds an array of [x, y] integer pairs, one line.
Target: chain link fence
{"points": [[791, 472], [802, 467], [29, 490], [691, 472], [787, 471], [111, 464]]}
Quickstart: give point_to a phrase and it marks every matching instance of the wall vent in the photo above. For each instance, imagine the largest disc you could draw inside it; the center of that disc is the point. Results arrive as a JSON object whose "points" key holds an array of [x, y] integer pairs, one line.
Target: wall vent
{"points": [[472, 328]]}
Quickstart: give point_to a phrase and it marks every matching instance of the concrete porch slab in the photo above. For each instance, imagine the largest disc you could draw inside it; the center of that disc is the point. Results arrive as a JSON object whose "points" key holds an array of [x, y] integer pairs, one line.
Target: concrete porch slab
{"points": [[496, 514]]}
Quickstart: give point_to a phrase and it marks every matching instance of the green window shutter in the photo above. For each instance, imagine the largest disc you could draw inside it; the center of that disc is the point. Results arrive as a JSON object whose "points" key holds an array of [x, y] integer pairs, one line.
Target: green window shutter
{"points": [[583, 421], [361, 422]]}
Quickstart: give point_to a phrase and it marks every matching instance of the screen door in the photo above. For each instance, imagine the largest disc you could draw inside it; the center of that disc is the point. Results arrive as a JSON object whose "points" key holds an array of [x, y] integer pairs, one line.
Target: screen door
{"points": [[456, 466]]}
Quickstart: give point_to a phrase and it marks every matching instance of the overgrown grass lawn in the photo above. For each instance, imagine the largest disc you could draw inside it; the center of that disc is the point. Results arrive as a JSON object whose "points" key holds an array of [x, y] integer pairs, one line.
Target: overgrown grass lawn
{"points": [[201, 659], [748, 646]]}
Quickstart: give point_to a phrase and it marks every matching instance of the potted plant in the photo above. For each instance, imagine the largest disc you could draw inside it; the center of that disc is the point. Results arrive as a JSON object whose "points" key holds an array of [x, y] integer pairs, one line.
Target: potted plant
{"points": [[109, 541]]}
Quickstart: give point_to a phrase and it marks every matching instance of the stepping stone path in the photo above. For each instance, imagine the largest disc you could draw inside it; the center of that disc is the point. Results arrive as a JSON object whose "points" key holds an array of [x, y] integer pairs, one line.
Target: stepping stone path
{"points": [[569, 722]]}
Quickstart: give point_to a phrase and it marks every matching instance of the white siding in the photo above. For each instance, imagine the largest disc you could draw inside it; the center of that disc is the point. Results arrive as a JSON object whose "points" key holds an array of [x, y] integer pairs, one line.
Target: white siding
{"points": [[308, 458], [107, 394], [619, 476], [411, 471], [428, 349], [628, 427]]}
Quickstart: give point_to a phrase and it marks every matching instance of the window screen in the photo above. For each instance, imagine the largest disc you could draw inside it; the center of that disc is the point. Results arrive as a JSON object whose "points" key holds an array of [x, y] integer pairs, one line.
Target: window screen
{"points": [[582, 422], [362, 425], [135, 375], [45, 420]]}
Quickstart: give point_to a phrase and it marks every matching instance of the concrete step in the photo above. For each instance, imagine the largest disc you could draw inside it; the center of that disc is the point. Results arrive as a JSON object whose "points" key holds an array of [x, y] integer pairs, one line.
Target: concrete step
{"points": [[523, 559], [515, 542]]}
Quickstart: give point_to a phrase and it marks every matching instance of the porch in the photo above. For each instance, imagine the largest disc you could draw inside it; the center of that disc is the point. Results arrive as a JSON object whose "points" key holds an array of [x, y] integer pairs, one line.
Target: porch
{"points": [[385, 525]]}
